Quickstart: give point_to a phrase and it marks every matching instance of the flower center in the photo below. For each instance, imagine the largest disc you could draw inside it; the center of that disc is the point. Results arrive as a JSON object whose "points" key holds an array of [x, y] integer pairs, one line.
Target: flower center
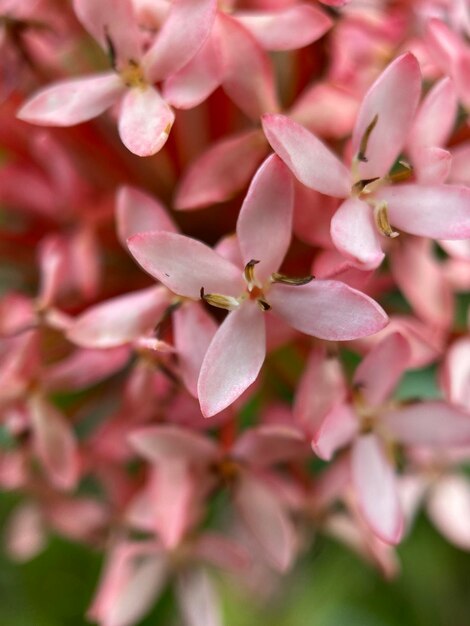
{"points": [[132, 75]]}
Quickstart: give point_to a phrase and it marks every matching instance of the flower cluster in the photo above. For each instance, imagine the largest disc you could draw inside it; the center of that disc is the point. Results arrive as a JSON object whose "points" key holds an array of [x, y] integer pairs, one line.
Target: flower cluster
{"points": [[182, 334]]}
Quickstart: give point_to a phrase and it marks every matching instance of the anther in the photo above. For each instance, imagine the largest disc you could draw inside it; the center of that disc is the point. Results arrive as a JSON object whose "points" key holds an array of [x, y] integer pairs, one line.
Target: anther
{"points": [[288, 280], [249, 274], [361, 155], [229, 303], [382, 221]]}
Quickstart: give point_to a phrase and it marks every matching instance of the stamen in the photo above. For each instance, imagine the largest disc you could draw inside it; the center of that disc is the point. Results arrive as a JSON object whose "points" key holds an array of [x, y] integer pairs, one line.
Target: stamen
{"points": [[133, 76], [382, 221], [288, 280], [263, 305], [229, 303], [361, 155], [402, 174], [111, 48], [249, 274]]}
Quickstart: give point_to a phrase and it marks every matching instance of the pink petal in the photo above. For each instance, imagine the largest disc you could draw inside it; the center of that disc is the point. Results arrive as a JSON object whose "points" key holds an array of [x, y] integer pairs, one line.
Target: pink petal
{"points": [[120, 320], [184, 31], [222, 170], [428, 423], [264, 224], [336, 431], [321, 387], [160, 444], [266, 519], [24, 532], [456, 373], [233, 359], [308, 158], [460, 170], [355, 234], [54, 443], [380, 371], [74, 101], [376, 489], [270, 444], [438, 212], [85, 261], [145, 121], [53, 261], [113, 19], [195, 82], [327, 309], [449, 509], [193, 330], [327, 110], [423, 282], [435, 120], [197, 598], [218, 550], [185, 265], [433, 166], [84, 368], [253, 91], [288, 28], [131, 584], [138, 212], [394, 98]]}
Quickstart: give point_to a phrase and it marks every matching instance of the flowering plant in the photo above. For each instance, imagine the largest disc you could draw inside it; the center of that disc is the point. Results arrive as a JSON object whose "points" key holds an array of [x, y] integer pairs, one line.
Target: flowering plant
{"points": [[189, 319]]}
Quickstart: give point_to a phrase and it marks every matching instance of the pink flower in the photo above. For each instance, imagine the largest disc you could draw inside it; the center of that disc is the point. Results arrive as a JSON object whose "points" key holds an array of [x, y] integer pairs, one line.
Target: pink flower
{"points": [[145, 119], [326, 309], [374, 206]]}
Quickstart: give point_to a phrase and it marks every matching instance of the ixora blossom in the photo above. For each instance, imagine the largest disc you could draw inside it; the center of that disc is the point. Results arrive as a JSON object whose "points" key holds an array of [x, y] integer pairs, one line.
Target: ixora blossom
{"points": [[374, 206], [326, 309], [145, 119], [374, 425]]}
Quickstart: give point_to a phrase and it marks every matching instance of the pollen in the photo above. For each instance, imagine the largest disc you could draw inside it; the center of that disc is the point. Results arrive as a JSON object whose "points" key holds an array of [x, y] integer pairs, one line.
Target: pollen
{"points": [[133, 76]]}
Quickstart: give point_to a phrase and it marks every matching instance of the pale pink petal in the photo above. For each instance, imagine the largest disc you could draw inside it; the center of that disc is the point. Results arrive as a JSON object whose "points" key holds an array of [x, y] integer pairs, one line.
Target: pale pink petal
{"points": [[139, 588], [120, 320], [456, 373], [321, 387], [449, 509], [138, 212], [222, 170], [254, 90], [376, 489], [432, 423], [111, 21], [24, 533], [233, 359], [435, 119], [175, 488], [195, 82], [197, 598], [193, 330], [288, 28], [78, 518], [460, 170], [337, 430], [270, 444], [308, 158], [72, 101], [355, 234], [84, 368], [459, 249], [54, 443], [218, 550], [380, 371], [53, 263], [394, 98], [327, 309], [266, 520], [184, 31], [327, 110], [185, 265], [433, 166], [332, 264], [145, 121], [423, 282], [438, 212], [264, 223], [160, 444]]}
